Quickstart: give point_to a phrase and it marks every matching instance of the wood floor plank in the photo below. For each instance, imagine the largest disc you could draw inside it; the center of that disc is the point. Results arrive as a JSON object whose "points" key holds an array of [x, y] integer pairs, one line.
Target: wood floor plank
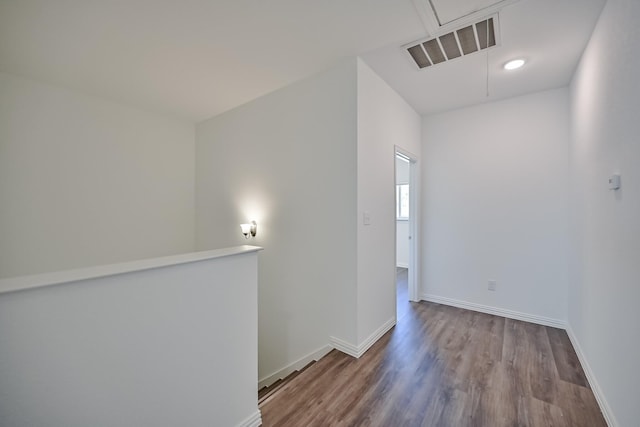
{"points": [[502, 398], [566, 359], [536, 413], [443, 366], [544, 375], [579, 406], [516, 355]]}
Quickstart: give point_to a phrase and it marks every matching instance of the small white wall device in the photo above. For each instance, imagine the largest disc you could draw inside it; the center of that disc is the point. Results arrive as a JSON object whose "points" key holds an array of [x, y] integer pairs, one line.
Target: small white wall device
{"points": [[614, 182]]}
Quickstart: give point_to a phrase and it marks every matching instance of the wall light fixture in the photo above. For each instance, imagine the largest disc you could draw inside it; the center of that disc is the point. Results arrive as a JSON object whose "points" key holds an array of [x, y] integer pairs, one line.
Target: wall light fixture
{"points": [[249, 229]]}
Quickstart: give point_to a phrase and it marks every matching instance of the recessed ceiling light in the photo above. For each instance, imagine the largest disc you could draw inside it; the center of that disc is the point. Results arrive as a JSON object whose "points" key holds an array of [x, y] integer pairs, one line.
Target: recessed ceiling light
{"points": [[514, 64]]}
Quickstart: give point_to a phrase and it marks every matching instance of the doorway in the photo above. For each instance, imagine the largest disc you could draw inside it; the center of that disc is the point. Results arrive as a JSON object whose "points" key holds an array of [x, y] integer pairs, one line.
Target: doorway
{"points": [[406, 185]]}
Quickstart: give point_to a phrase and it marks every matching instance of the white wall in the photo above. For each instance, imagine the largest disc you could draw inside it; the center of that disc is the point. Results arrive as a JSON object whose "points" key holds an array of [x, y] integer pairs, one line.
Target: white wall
{"points": [[84, 181], [143, 348], [384, 120], [402, 226], [494, 197], [605, 269], [287, 160]]}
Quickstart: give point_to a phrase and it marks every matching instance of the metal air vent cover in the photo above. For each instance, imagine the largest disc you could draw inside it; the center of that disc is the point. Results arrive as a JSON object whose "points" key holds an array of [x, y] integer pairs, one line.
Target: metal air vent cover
{"points": [[455, 44]]}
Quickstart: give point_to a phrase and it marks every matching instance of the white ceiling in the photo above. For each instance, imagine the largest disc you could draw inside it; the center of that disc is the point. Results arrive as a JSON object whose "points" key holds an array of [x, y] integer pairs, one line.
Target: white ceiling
{"points": [[198, 58], [448, 11], [550, 34]]}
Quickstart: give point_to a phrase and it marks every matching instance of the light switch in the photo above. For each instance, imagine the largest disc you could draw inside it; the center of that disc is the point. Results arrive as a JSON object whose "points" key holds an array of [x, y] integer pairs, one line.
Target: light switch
{"points": [[366, 218], [614, 182]]}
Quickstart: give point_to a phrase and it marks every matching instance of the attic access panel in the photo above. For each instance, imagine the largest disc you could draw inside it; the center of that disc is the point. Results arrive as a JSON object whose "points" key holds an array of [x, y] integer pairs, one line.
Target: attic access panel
{"points": [[466, 40], [447, 11]]}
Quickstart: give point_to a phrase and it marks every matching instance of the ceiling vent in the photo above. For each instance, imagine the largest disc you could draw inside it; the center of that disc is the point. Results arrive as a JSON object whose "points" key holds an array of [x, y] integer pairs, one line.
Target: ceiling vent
{"points": [[464, 41]]}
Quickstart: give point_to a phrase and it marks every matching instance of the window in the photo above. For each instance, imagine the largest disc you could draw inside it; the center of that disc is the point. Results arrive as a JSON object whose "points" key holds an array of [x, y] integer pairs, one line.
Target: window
{"points": [[402, 201]]}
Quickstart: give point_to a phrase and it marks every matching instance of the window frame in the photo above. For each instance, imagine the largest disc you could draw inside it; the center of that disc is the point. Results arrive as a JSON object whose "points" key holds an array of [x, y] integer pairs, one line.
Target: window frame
{"points": [[401, 197]]}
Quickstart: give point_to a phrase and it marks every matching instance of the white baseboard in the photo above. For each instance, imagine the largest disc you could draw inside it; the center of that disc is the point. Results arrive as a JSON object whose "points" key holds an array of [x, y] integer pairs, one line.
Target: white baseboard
{"points": [[338, 344], [343, 346], [376, 335], [358, 351], [298, 364], [255, 420], [595, 386], [532, 318]]}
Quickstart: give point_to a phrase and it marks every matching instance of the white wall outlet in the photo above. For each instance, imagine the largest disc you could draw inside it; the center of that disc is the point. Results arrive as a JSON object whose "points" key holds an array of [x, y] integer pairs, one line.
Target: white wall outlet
{"points": [[492, 285]]}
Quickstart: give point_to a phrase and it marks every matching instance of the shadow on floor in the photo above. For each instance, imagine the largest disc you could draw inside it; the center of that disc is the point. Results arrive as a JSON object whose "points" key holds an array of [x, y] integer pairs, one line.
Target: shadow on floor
{"points": [[402, 292]]}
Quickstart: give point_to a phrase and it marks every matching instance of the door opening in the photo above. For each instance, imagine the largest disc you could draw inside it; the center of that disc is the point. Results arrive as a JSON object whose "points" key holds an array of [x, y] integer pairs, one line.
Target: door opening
{"points": [[406, 180]]}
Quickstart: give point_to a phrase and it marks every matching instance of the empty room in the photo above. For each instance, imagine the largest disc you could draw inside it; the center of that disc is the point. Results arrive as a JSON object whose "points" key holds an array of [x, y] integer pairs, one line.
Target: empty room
{"points": [[373, 213]]}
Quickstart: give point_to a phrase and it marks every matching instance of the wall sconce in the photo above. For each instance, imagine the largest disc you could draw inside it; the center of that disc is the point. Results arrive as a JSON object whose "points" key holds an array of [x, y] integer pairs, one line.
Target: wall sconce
{"points": [[249, 229]]}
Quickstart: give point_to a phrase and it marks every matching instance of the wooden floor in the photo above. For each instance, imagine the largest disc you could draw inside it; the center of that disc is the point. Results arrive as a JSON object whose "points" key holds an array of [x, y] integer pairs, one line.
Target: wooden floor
{"points": [[402, 292], [444, 366]]}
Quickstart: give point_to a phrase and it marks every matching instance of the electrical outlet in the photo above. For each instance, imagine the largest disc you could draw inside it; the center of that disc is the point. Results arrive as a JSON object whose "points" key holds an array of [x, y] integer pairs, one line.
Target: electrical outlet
{"points": [[492, 285]]}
